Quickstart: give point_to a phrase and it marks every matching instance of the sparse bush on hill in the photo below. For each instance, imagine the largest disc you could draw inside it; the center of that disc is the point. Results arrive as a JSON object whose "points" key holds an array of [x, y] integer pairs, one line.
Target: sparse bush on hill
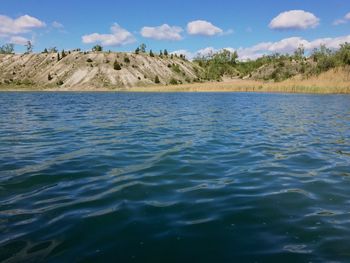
{"points": [[173, 81], [156, 80], [89, 60], [151, 53], [126, 60], [116, 65]]}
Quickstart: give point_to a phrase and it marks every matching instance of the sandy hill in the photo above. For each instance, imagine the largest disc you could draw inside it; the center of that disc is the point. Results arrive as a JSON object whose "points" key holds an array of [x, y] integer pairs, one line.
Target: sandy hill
{"points": [[93, 70]]}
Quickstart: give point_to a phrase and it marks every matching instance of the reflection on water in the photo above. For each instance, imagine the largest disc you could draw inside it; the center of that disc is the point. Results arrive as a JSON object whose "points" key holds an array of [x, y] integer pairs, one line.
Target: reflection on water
{"points": [[167, 177]]}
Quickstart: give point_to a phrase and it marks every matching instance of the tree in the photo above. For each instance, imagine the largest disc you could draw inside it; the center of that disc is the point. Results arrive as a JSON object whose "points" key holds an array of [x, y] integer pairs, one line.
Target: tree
{"points": [[58, 57], [143, 48], [156, 80], [29, 47], [53, 50], [45, 51], [299, 53], [116, 65], [166, 52], [97, 48], [7, 49], [137, 51], [161, 53], [63, 54], [151, 53]]}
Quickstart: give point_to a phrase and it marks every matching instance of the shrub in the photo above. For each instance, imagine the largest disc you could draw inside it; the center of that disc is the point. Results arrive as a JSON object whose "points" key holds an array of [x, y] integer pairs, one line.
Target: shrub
{"points": [[173, 81], [116, 65], [59, 83], [49, 77], [156, 80], [126, 60], [89, 60], [151, 53]]}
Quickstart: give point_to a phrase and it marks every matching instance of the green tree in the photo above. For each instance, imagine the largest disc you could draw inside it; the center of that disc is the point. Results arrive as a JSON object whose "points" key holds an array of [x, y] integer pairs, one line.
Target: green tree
{"points": [[343, 54], [151, 53], [142, 48], [161, 53], [166, 52], [97, 48], [53, 50], [299, 53], [7, 49], [45, 51], [58, 56], [63, 54], [137, 51], [29, 47]]}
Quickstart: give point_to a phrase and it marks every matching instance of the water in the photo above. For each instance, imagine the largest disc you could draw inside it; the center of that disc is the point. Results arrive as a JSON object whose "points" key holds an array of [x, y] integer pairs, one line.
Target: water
{"points": [[205, 177]]}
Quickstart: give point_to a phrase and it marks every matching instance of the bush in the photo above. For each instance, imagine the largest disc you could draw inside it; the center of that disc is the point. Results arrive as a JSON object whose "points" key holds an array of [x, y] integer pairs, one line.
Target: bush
{"points": [[116, 65], [156, 80], [173, 81], [59, 83], [49, 77], [89, 60], [126, 60]]}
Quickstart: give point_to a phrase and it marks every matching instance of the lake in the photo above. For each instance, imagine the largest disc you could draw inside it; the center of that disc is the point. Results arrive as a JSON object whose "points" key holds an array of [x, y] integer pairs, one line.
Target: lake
{"points": [[171, 177]]}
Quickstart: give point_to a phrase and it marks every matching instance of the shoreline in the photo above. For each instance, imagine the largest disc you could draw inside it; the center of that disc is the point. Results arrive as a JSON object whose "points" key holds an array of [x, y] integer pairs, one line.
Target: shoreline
{"points": [[289, 86]]}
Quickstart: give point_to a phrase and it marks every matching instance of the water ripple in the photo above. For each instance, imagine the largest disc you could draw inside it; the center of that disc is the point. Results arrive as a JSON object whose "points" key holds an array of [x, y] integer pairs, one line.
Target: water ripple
{"points": [[218, 177]]}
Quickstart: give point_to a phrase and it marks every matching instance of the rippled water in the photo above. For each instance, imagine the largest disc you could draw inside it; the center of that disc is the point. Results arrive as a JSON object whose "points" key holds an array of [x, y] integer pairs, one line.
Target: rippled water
{"points": [[203, 177]]}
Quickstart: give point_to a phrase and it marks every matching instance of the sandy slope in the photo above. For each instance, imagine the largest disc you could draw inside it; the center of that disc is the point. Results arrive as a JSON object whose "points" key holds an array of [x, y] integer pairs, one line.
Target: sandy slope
{"points": [[77, 73]]}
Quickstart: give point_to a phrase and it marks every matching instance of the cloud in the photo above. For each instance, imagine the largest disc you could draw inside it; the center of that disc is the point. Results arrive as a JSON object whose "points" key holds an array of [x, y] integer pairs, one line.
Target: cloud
{"points": [[118, 37], [57, 25], [283, 46], [163, 32], [294, 19], [18, 40], [22, 24], [343, 20], [204, 28], [187, 53]]}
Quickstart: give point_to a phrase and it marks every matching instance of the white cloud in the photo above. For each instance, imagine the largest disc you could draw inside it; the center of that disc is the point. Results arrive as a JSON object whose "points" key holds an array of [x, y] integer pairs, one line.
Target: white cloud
{"points": [[57, 25], [18, 40], [294, 19], [22, 24], [118, 37], [284, 46], [204, 28], [187, 53], [163, 32], [343, 20]]}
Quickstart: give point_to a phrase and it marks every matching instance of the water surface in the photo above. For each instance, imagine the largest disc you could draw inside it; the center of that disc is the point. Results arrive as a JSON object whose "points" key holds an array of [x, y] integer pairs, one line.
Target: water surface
{"points": [[200, 177]]}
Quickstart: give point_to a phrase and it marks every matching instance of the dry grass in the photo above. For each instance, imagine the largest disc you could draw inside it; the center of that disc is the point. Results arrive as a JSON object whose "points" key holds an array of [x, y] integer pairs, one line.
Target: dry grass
{"points": [[333, 81]]}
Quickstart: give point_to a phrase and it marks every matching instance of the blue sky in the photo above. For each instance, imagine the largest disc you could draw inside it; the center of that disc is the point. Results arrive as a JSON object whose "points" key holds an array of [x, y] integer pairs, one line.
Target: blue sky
{"points": [[122, 25]]}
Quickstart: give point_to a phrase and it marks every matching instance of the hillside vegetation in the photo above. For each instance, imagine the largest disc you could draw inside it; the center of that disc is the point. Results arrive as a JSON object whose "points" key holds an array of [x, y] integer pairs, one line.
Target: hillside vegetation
{"points": [[322, 71], [93, 70]]}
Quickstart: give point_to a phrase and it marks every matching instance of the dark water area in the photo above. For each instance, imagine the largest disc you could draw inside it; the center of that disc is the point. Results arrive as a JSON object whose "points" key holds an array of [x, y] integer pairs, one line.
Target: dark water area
{"points": [[183, 177]]}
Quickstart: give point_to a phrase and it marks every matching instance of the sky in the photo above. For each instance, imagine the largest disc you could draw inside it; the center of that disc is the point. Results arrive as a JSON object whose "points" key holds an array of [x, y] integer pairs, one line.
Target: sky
{"points": [[251, 27]]}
